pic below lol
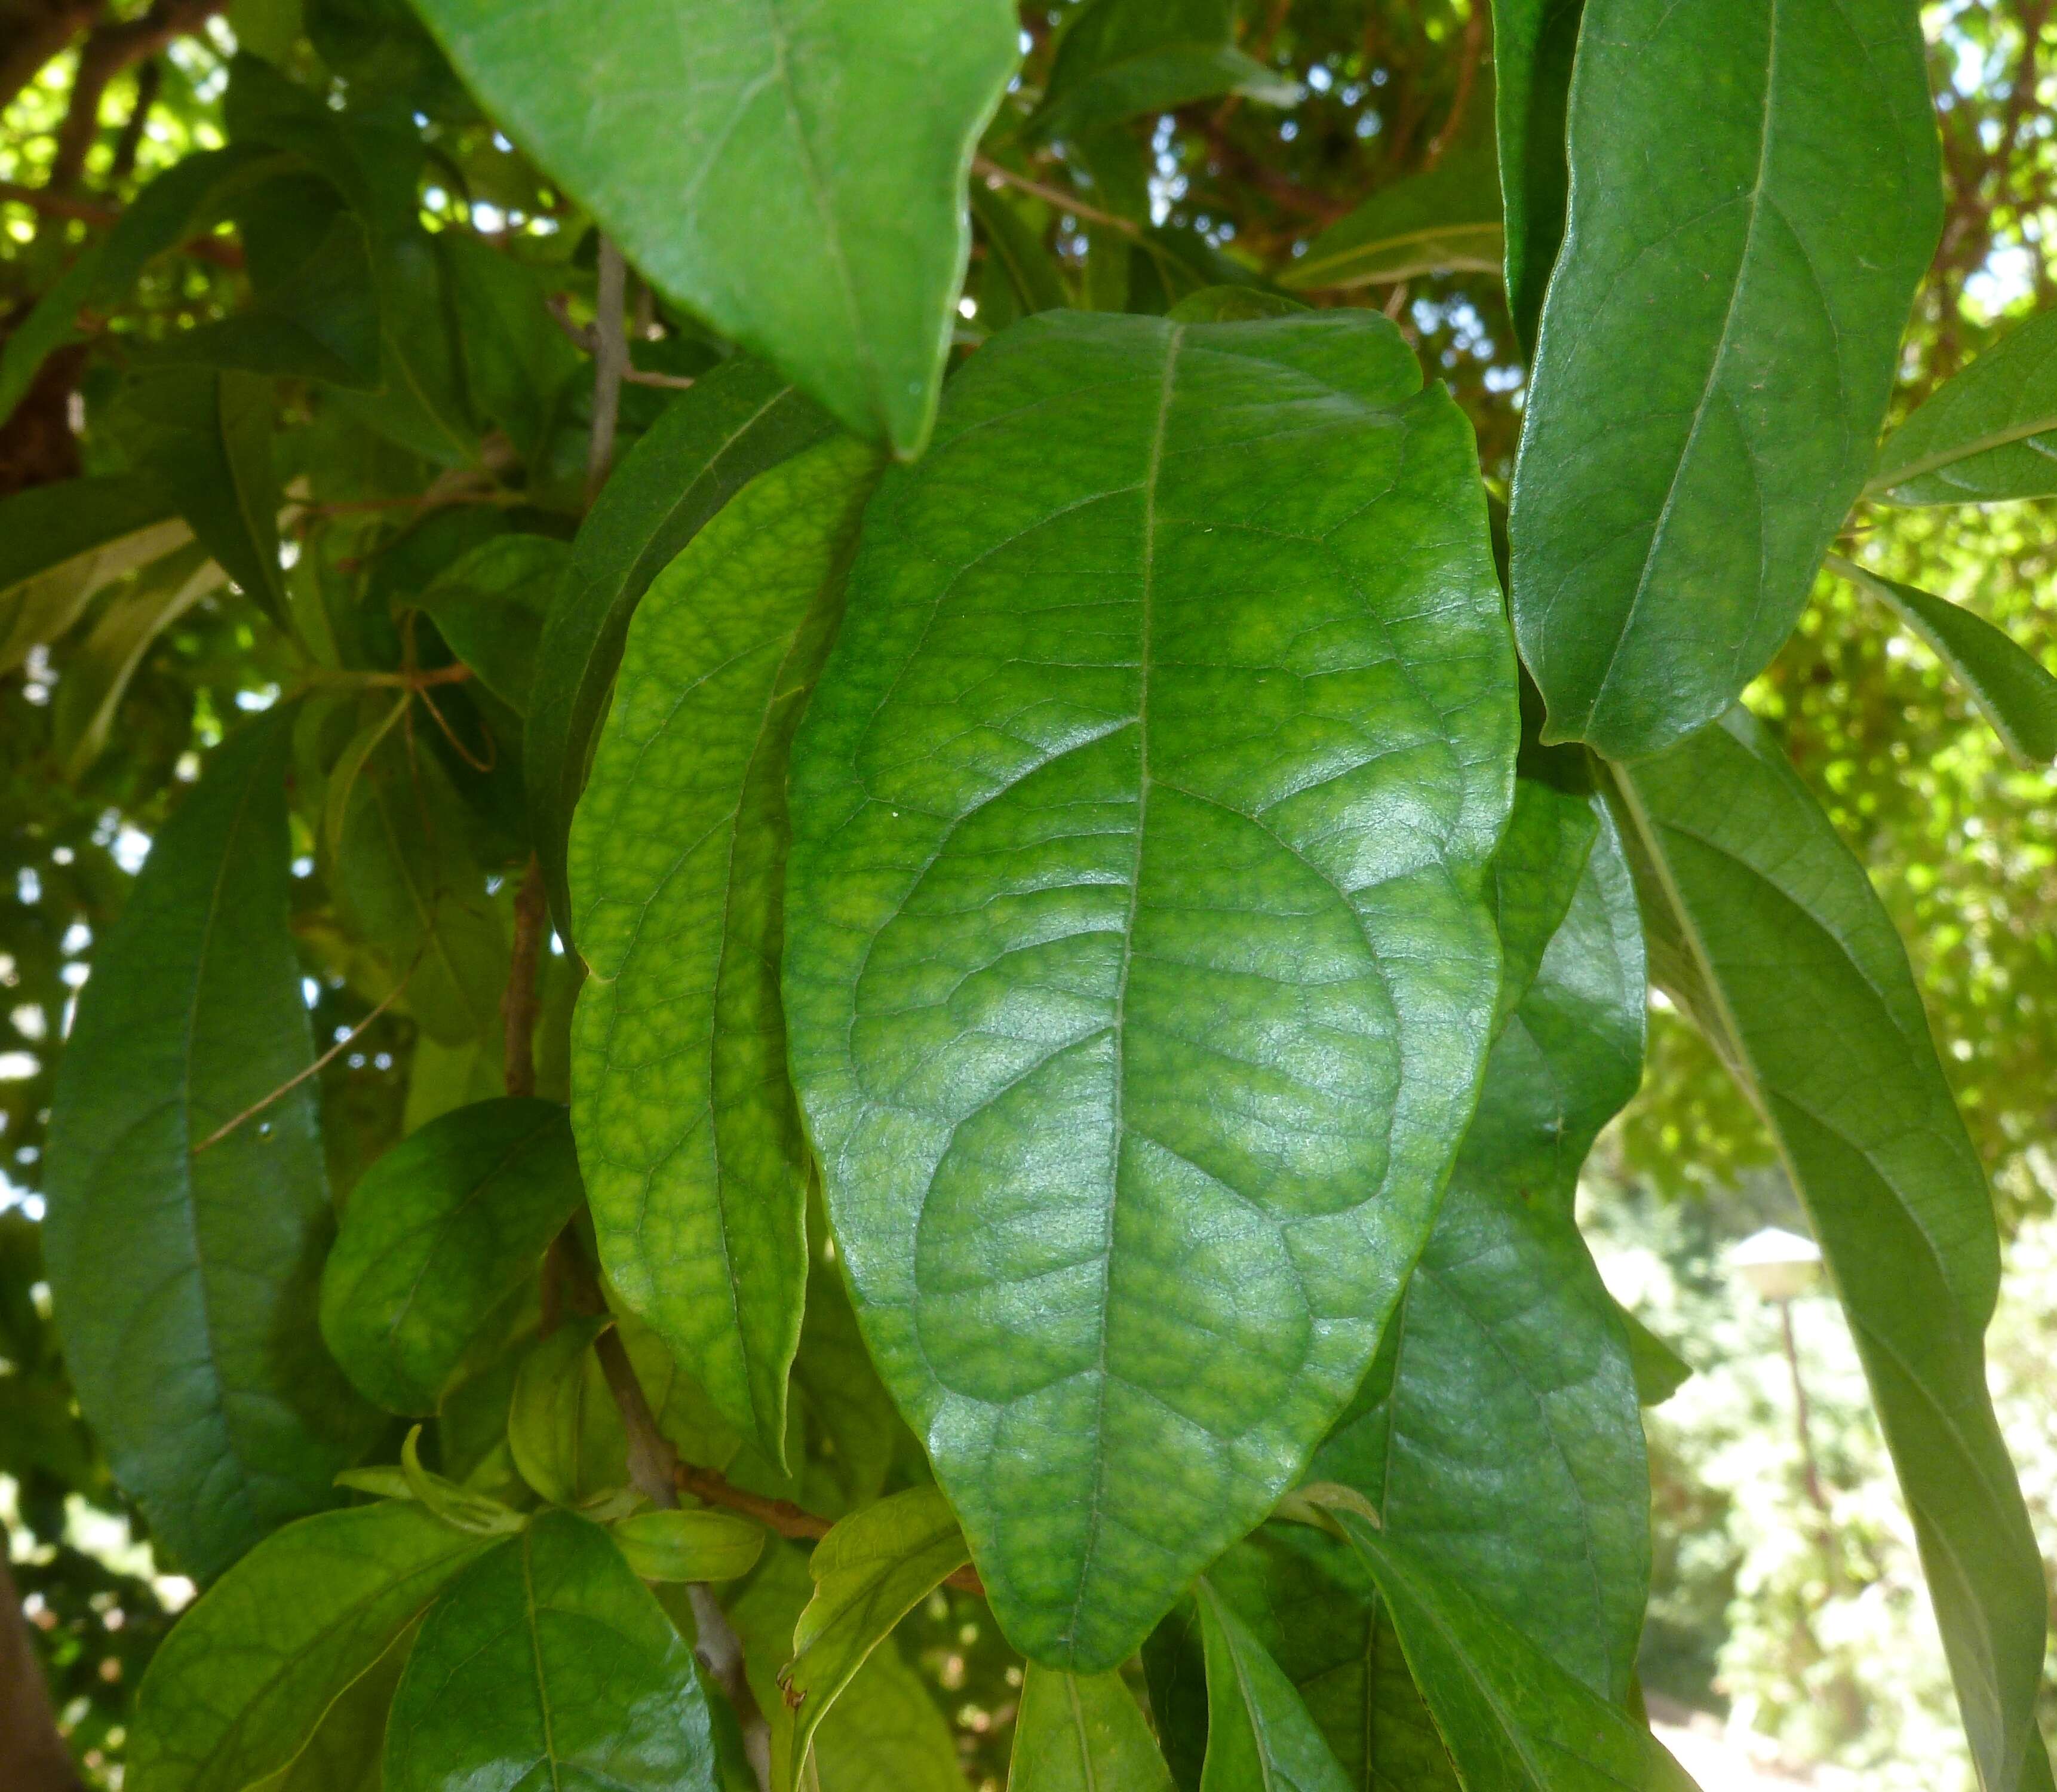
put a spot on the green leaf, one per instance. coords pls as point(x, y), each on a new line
point(184, 1277)
point(240, 1685)
point(830, 143)
point(696, 1163)
point(205, 438)
point(1764, 927)
point(887, 1736)
point(1018, 252)
point(1259, 1731)
point(1119, 58)
point(1536, 873)
point(59, 543)
point(1083, 1733)
point(1721, 332)
point(2011, 686)
point(1511, 1718)
point(730, 427)
point(1660, 1371)
point(689, 1545)
point(438, 1234)
point(1134, 1094)
point(1446, 220)
point(346, 1752)
point(563, 1428)
point(547, 1663)
point(1989, 434)
point(489, 606)
point(518, 361)
point(869, 1573)
point(478, 1514)
point(1532, 46)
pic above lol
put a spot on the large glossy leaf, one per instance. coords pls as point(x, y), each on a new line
point(438, 1233)
point(1139, 960)
point(1512, 1717)
point(184, 1278)
point(241, 1682)
point(1533, 41)
point(1989, 434)
point(548, 1663)
point(829, 142)
point(1446, 220)
point(1259, 1731)
point(60, 544)
point(2009, 685)
point(869, 1573)
point(687, 1127)
point(1719, 339)
point(1122, 58)
point(1766, 928)
point(1082, 1733)
point(734, 423)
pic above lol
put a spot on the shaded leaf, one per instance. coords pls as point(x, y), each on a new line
point(518, 360)
point(489, 605)
point(1720, 337)
point(61, 543)
point(696, 1163)
point(438, 1234)
point(1988, 434)
point(830, 143)
point(478, 1514)
point(1119, 58)
point(1536, 873)
point(1028, 268)
point(184, 1280)
point(1172, 1081)
point(1446, 220)
point(1533, 41)
point(689, 1545)
point(887, 1734)
point(1764, 927)
point(346, 1750)
point(1087, 1734)
point(1259, 1731)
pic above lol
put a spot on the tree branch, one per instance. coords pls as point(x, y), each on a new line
point(519, 1006)
point(31, 42)
point(610, 360)
point(109, 49)
point(32, 1755)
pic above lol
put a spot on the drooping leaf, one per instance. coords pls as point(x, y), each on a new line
point(1764, 928)
point(733, 424)
point(2009, 685)
point(1168, 1066)
point(1016, 255)
point(680, 1545)
point(61, 543)
point(478, 1514)
point(438, 1234)
point(869, 1573)
point(830, 143)
point(1720, 337)
point(1446, 220)
point(1119, 58)
point(489, 606)
point(687, 1127)
point(184, 1277)
point(1259, 1731)
point(1989, 434)
point(1532, 46)
point(241, 1682)
point(1512, 1718)
point(1082, 1734)
point(548, 1663)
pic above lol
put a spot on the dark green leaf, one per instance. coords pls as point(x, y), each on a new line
point(2009, 685)
point(345, 1752)
point(241, 1682)
point(1535, 872)
point(438, 1234)
point(1511, 1718)
point(690, 1545)
point(1720, 337)
point(1169, 1067)
point(1660, 1371)
point(489, 606)
point(695, 1163)
point(1011, 246)
point(1764, 927)
point(1532, 46)
point(547, 1663)
point(1990, 433)
point(733, 425)
point(59, 543)
point(830, 145)
point(519, 361)
point(1259, 1731)
point(1444, 221)
point(1119, 58)
point(1083, 1733)
point(184, 1277)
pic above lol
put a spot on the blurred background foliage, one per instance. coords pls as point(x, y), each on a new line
point(1814, 1639)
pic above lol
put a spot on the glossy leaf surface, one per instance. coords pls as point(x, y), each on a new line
point(1259, 1731)
point(243, 1679)
point(1139, 957)
point(734, 423)
point(2010, 685)
point(1990, 433)
point(1717, 348)
point(438, 1234)
point(1764, 928)
point(681, 1545)
point(688, 1131)
point(184, 1278)
point(1533, 44)
point(1513, 1719)
point(1084, 1732)
point(1119, 58)
point(829, 141)
point(548, 1663)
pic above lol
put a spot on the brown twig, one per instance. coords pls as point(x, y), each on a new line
point(150, 77)
point(1467, 75)
point(109, 49)
point(519, 1006)
point(610, 362)
point(1054, 195)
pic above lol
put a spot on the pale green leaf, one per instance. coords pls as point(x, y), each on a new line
point(1082, 1734)
point(829, 142)
point(478, 1514)
point(1721, 335)
point(563, 1427)
point(1134, 1090)
point(1446, 220)
point(1258, 1731)
point(679, 1545)
point(1989, 434)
